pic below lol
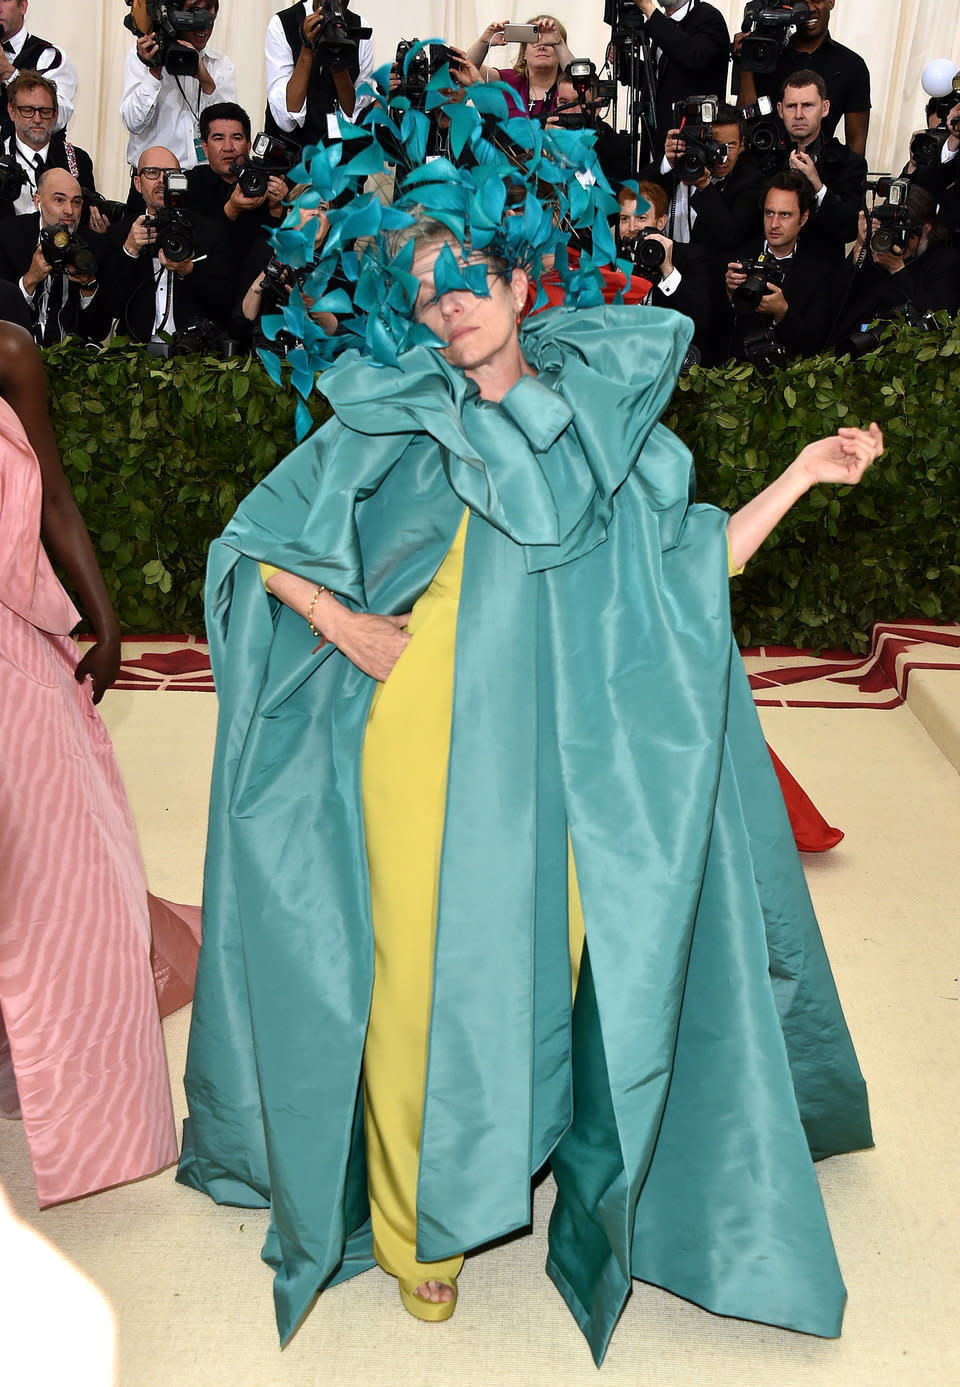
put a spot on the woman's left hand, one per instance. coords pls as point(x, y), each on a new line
point(842, 459)
point(102, 664)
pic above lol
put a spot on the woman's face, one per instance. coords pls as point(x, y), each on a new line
point(544, 53)
point(480, 331)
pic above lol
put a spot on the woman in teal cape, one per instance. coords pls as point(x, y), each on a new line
point(598, 700)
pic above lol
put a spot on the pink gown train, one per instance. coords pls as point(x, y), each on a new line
point(81, 1047)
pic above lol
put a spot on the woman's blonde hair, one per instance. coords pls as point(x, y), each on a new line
point(521, 63)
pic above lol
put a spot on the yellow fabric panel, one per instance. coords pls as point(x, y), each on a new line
point(405, 754)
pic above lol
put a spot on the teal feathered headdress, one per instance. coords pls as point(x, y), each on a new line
point(511, 189)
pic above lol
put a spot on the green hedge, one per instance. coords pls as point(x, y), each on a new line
point(159, 452)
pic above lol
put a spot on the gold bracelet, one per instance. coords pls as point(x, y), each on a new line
point(313, 629)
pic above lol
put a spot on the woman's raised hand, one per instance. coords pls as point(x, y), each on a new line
point(844, 458)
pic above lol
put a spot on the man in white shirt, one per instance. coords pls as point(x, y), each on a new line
point(161, 109)
point(20, 50)
point(308, 84)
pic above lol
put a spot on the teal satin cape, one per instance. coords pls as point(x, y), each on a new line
point(597, 693)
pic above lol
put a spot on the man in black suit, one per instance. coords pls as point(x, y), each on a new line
point(691, 50)
point(36, 145)
point(682, 281)
point(793, 316)
point(214, 188)
point(718, 209)
point(845, 73)
point(152, 294)
point(837, 176)
point(920, 271)
point(63, 300)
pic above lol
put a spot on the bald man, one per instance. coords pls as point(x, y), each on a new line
point(152, 295)
point(63, 298)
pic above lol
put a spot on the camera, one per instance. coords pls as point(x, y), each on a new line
point(269, 155)
point(648, 255)
point(763, 135)
point(768, 28)
point(169, 25)
point(335, 45)
point(926, 145)
point(171, 223)
point(425, 63)
point(113, 211)
point(592, 95)
point(762, 274)
point(63, 249)
point(279, 278)
point(896, 224)
point(870, 339)
point(695, 118)
point(12, 178)
point(941, 106)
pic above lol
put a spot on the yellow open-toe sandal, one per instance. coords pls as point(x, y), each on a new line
point(431, 1311)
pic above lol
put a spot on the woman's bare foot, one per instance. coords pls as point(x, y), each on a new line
point(436, 1291)
point(431, 1300)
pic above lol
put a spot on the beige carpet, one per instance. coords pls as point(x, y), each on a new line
point(193, 1300)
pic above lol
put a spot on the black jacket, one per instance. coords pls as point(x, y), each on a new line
point(809, 289)
point(696, 53)
point(208, 194)
point(728, 212)
point(931, 281)
point(692, 298)
point(57, 158)
point(204, 295)
point(833, 224)
point(19, 237)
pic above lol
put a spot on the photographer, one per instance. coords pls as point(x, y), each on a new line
point(36, 145)
point(680, 276)
point(21, 51)
point(317, 53)
point(717, 207)
point(55, 269)
point(690, 49)
point(933, 163)
point(837, 176)
point(614, 151)
point(215, 188)
point(153, 292)
point(163, 108)
point(536, 73)
point(783, 307)
point(270, 285)
point(912, 266)
point(845, 75)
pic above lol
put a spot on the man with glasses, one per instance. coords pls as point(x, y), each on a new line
point(62, 299)
point(20, 51)
point(36, 144)
point(163, 110)
point(152, 295)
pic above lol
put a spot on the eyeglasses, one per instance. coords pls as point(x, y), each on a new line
point(44, 112)
point(151, 174)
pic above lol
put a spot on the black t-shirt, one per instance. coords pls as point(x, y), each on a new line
point(845, 73)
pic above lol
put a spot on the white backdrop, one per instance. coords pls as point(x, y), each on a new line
point(896, 38)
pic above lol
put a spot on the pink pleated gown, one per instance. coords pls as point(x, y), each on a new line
point(77, 996)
